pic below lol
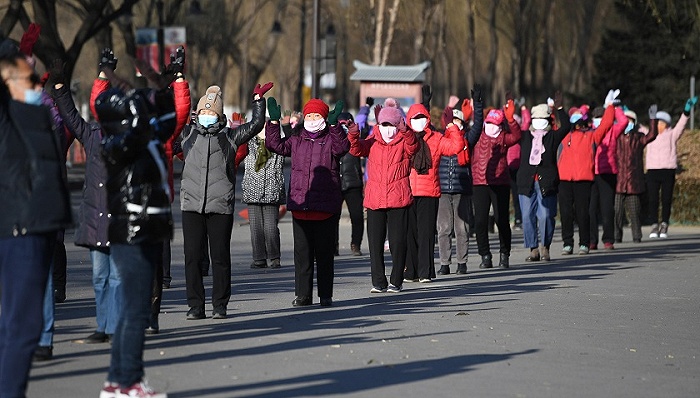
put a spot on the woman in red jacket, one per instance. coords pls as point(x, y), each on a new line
point(492, 181)
point(388, 150)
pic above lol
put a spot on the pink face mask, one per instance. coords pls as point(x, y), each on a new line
point(388, 133)
point(492, 130)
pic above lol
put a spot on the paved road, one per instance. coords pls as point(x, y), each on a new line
point(623, 323)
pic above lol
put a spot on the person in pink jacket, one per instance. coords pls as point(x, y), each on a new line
point(388, 150)
point(425, 185)
point(576, 175)
point(661, 164)
point(605, 179)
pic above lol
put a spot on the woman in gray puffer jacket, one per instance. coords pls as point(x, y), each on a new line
point(207, 195)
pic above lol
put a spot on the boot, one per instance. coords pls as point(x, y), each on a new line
point(461, 269)
point(355, 249)
point(444, 270)
point(503, 262)
point(544, 253)
point(486, 261)
point(534, 255)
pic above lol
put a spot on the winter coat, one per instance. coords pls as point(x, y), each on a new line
point(578, 149)
point(630, 162)
point(546, 171)
point(265, 186)
point(439, 145)
point(93, 218)
point(209, 175)
point(314, 182)
point(489, 163)
point(388, 168)
point(350, 172)
point(33, 188)
point(606, 151)
point(661, 153)
point(456, 178)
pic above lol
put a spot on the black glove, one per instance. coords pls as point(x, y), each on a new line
point(427, 95)
point(558, 100)
point(476, 93)
point(57, 73)
point(107, 59)
point(177, 62)
point(369, 101)
point(652, 111)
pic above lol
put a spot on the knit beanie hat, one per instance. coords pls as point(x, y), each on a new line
point(315, 105)
point(457, 114)
point(389, 115)
point(664, 116)
point(212, 100)
point(540, 111)
point(597, 112)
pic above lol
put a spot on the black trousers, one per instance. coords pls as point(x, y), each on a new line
point(197, 229)
point(422, 220)
point(514, 196)
point(353, 200)
point(396, 220)
point(663, 179)
point(158, 276)
point(603, 203)
point(314, 241)
point(484, 196)
point(167, 259)
point(60, 261)
point(574, 203)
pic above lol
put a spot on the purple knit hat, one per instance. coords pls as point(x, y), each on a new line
point(389, 115)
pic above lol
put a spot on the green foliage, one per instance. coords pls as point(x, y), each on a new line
point(686, 196)
point(651, 55)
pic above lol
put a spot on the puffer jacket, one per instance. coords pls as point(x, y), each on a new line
point(93, 218)
point(428, 185)
point(33, 188)
point(314, 183)
point(209, 175)
point(546, 171)
point(576, 158)
point(350, 172)
point(265, 186)
point(388, 167)
point(630, 162)
point(489, 163)
point(606, 151)
point(662, 152)
point(456, 178)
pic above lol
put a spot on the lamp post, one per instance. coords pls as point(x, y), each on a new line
point(161, 37)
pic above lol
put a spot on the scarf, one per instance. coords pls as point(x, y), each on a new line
point(537, 148)
point(262, 156)
point(422, 161)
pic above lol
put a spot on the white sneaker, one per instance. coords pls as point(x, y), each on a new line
point(663, 230)
point(109, 390)
point(394, 289)
point(654, 231)
point(425, 280)
point(377, 290)
point(140, 390)
point(386, 245)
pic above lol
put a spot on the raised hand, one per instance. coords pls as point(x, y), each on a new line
point(476, 93)
point(467, 109)
point(333, 115)
point(177, 62)
point(509, 110)
point(690, 104)
point(57, 71)
point(611, 98)
point(261, 90)
point(453, 101)
point(29, 38)
point(427, 95)
point(369, 101)
point(107, 59)
point(558, 100)
point(273, 109)
point(652, 111)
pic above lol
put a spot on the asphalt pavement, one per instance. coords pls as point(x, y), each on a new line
point(621, 323)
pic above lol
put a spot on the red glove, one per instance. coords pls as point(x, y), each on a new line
point(262, 90)
point(377, 109)
point(29, 38)
point(353, 128)
point(510, 110)
point(467, 109)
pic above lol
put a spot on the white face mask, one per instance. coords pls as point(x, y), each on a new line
point(314, 126)
point(540, 124)
point(596, 121)
point(388, 133)
point(630, 126)
point(492, 130)
point(458, 123)
point(418, 125)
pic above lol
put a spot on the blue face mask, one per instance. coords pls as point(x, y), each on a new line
point(630, 126)
point(32, 97)
point(596, 121)
point(207, 120)
point(575, 118)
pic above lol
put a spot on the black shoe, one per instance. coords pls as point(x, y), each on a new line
point(486, 261)
point(151, 330)
point(166, 285)
point(59, 296)
point(461, 269)
point(275, 263)
point(326, 301)
point(503, 262)
point(205, 271)
point(195, 313)
point(255, 265)
point(95, 338)
point(43, 353)
point(301, 301)
point(444, 270)
point(219, 313)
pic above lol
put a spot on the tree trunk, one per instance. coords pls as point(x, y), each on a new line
point(493, 45)
point(390, 31)
point(377, 53)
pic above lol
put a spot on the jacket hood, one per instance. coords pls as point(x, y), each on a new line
point(417, 109)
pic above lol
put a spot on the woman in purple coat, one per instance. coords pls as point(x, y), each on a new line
point(314, 192)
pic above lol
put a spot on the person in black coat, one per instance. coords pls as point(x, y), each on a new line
point(352, 186)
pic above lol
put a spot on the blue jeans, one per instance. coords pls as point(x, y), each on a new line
point(538, 217)
point(136, 264)
point(107, 285)
point(46, 339)
point(24, 268)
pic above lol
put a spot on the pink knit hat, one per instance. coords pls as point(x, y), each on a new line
point(389, 115)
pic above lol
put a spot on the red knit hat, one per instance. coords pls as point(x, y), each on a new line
point(315, 105)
